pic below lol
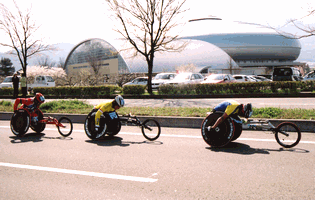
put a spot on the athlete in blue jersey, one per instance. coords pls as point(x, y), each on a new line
point(231, 107)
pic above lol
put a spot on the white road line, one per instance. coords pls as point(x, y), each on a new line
point(83, 173)
point(186, 136)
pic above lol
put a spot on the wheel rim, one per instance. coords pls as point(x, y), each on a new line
point(291, 139)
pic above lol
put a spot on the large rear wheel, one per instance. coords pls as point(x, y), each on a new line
point(38, 127)
point(89, 126)
point(238, 127)
point(220, 136)
point(20, 123)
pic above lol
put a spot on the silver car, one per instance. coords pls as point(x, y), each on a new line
point(186, 78)
point(162, 78)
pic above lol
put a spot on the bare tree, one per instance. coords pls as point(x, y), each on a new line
point(46, 61)
point(147, 25)
point(307, 30)
point(232, 69)
point(20, 28)
point(61, 63)
point(186, 68)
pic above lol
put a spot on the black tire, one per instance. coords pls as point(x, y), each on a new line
point(113, 125)
point(20, 123)
point(293, 136)
point(67, 128)
point(238, 128)
point(39, 127)
point(151, 129)
point(220, 137)
point(114, 129)
point(89, 126)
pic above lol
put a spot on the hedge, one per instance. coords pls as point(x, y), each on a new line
point(78, 91)
point(134, 89)
point(183, 89)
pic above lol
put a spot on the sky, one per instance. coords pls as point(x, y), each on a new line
point(70, 21)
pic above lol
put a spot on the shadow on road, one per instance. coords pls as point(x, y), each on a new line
point(118, 141)
point(239, 148)
point(245, 149)
point(35, 137)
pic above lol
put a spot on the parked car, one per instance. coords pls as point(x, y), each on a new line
point(261, 78)
point(286, 74)
point(244, 78)
point(7, 82)
point(309, 77)
point(186, 78)
point(138, 81)
point(42, 81)
point(219, 78)
point(162, 78)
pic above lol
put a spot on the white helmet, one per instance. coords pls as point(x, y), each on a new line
point(120, 101)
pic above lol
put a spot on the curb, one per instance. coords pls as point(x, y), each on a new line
point(177, 122)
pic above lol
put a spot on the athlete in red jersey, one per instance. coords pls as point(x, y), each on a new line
point(30, 103)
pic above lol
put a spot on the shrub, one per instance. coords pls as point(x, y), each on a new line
point(6, 91)
point(80, 91)
point(134, 89)
point(167, 89)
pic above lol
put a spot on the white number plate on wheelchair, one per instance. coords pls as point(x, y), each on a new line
point(113, 115)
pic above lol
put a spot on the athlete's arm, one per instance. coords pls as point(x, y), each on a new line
point(220, 120)
point(16, 103)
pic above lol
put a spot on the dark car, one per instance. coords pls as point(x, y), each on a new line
point(286, 74)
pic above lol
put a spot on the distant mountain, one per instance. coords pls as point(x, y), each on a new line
point(62, 51)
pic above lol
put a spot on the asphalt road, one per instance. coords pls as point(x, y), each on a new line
point(179, 165)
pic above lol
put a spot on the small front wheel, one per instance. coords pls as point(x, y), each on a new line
point(65, 126)
point(151, 129)
point(287, 134)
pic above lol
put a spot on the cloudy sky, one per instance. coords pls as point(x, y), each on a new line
point(70, 21)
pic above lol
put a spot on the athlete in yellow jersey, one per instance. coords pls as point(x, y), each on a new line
point(232, 107)
point(106, 107)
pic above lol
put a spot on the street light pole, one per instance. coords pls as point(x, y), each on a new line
point(206, 18)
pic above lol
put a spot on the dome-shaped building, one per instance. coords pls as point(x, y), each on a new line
point(256, 49)
point(95, 55)
point(197, 53)
point(247, 53)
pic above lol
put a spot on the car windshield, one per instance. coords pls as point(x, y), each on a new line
point(182, 77)
point(283, 72)
point(215, 77)
point(162, 76)
point(50, 79)
point(7, 80)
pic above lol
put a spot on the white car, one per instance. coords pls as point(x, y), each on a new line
point(138, 81)
point(7, 82)
point(309, 77)
point(162, 78)
point(244, 78)
point(186, 78)
point(261, 78)
point(219, 78)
